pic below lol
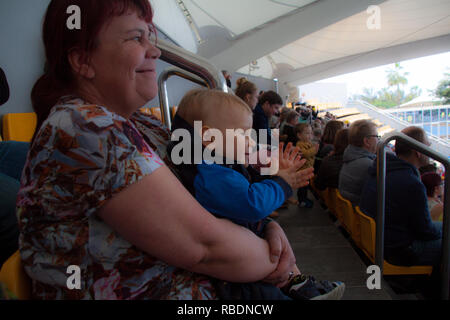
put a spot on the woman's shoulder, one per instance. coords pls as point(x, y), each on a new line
point(72, 114)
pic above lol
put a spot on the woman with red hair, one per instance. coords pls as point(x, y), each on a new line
point(435, 191)
point(96, 192)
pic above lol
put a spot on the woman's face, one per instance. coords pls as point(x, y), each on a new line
point(252, 99)
point(124, 64)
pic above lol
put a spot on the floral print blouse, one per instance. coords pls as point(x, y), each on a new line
point(81, 157)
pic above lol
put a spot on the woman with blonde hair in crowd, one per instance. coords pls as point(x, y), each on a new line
point(247, 91)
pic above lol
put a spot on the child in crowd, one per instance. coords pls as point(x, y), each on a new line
point(308, 150)
point(238, 192)
point(317, 136)
point(289, 127)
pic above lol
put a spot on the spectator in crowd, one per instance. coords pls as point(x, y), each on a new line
point(358, 157)
point(308, 151)
point(283, 115)
point(435, 193)
point(247, 91)
point(317, 135)
point(327, 141)
point(427, 168)
point(275, 121)
point(269, 105)
point(227, 77)
point(289, 127)
point(254, 196)
point(305, 114)
point(329, 116)
point(317, 124)
point(260, 94)
point(97, 190)
point(328, 175)
point(411, 238)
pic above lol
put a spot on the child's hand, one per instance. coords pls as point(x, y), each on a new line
point(289, 157)
point(297, 179)
point(303, 177)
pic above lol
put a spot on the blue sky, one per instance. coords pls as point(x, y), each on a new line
point(425, 72)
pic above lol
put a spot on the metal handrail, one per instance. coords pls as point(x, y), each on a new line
point(164, 95)
point(191, 67)
point(381, 187)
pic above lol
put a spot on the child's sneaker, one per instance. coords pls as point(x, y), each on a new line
point(306, 204)
point(307, 288)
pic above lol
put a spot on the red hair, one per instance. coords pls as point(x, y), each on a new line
point(58, 79)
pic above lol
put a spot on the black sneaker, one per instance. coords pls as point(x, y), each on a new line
point(307, 288)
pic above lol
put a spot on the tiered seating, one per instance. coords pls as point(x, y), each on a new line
point(368, 236)
point(156, 111)
point(349, 219)
point(19, 126)
point(355, 117)
point(383, 130)
point(345, 112)
point(362, 230)
point(350, 115)
point(378, 123)
point(174, 111)
point(15, 278)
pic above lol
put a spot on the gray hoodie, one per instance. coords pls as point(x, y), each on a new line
point(354, 172)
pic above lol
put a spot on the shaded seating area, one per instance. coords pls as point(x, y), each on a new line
point(362, 230)
point(350, 115)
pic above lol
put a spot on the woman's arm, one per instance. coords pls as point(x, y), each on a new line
point(160, 217)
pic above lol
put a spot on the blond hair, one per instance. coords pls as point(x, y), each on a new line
point(206, 105)
point(359, 130)
point(244, 87)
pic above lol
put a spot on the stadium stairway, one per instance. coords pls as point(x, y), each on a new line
point(322, 250)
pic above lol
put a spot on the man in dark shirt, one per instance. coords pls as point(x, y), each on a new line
point(411, 238)
point(269, 105)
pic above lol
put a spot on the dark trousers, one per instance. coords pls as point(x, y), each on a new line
point(302, 194)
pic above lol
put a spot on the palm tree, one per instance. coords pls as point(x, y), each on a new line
point(396, 77)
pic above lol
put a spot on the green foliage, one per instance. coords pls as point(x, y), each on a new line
point(443, 89)
point(393, 95)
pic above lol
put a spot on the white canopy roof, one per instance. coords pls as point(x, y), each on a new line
point(300, 41)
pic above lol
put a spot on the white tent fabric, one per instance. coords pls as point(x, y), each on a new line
point(300, 41)
point(240, 16)
point(402, 21)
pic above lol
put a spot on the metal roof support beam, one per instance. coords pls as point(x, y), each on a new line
point(367, 60)
point(281, 32)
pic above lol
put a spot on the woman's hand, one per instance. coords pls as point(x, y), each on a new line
point(281, 252)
